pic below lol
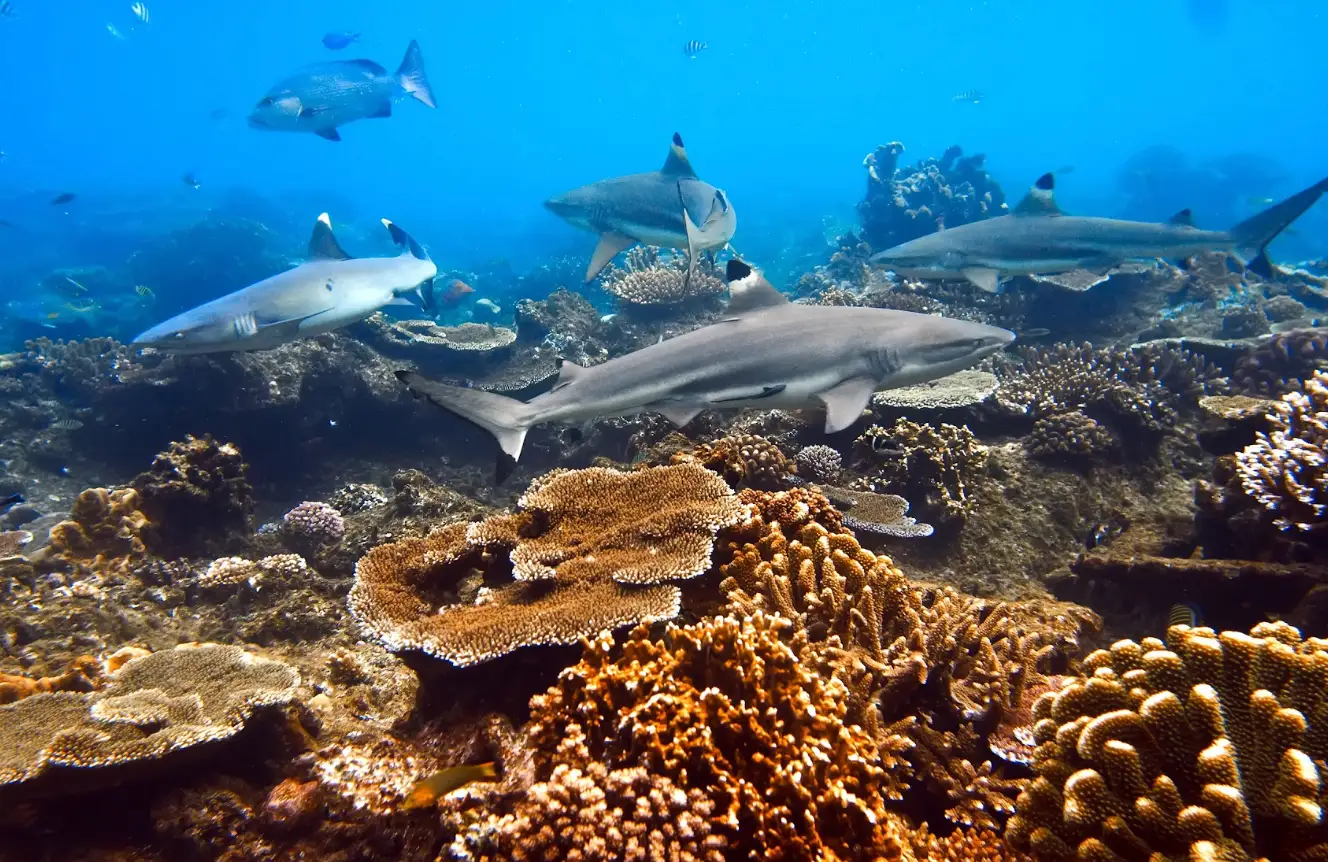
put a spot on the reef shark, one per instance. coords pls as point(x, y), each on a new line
point(330, 290)
point(669, 208)
point(1038, 239)
point(766, 353)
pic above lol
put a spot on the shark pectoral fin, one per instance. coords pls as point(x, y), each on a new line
point(987, 279)
point(382, 111)
point(329, 134)
point(568, 372)
point(845, 402)
point(323, 243)
point(678, 414)
point(610, 245)
point(1040, 200)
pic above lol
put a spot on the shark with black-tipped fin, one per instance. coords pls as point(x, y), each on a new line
point(328, 291)
point(1038, 239)
point(767, 353)
point(669, 208)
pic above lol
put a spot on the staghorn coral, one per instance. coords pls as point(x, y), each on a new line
point(1285, 468)
point(1283, 362)
point(592, 549)
point(742, 459)
point(932, 466)
point(819, 463)
point(1072, 437)
point(311, 526)
point(1206, 747)
point(647, 278)
point(750, 745)
point(196, 497)
point(278, 572)
point(155, 705)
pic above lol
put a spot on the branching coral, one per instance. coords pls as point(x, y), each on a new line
point(1207, 747)
point(819, 463)
point(1072, 437)
point(932, 466)
point(155, 705)
point(742, 747)
point(592, 549)
point(651, 279)
point(311, 526)
point(196, 496)
point(1286, 469)
point(743, 459)
point(1283, 362)
point(945, 192)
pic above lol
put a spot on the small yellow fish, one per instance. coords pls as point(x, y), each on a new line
point(427, 791)
point(144, 291)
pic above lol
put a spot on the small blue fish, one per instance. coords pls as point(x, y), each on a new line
point(694, 47)
point(321, 97)
point(338, 39)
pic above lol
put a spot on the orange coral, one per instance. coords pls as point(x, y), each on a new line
point(105, 531)
point(83, 674)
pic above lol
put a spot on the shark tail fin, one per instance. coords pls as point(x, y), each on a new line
point(1252, 236)
point(507, 419)
point(411, 77)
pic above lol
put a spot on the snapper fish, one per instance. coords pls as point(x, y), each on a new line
point(322, 97)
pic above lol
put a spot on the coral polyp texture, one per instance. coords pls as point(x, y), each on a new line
point(1208, 746)
point(649, 278)
point(591, 549)
point(932, 466)
point(1286, 468)
point(155, 706)
point(743, 459)
point(312, 525)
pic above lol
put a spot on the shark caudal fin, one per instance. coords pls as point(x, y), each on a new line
point(1252, 236)
point(505, 418)
point(411, 77)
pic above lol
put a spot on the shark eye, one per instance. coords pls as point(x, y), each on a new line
point(329, 285)
point(267, 100)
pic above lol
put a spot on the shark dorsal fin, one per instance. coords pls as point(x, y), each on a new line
point(568, 372)
point(323, 244)
point(748, 289)
point(676, 163)
point(1184, 218)
point(1041, 198)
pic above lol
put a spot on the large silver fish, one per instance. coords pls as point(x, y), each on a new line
point(1038, 239)
point(329, 291)
point(768, 354)
point(669, 207)
point(324, 96)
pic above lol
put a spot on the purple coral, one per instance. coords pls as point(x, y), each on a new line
point(313, 525)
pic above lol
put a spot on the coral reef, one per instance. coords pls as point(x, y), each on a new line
point(946, 192)
point(649, 278)
point(932, 466)
point(1285, 468)
point(879, 514)
point(312, 526)
point(12, 542)
point(743, 459)
point(1072, 437)
point(1205, 747)
point(196, 498)
point(819, 463)
point(84, 673)
point(592, 549)
point(961, 389)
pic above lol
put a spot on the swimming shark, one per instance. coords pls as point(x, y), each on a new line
point(1038, 239)
point(766, 353)
point(330, 290)
point(669, 208)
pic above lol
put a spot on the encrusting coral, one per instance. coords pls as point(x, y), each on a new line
point(1286, 469)
point(154, 706)
point(591, 549)
point(1209, 746)
point(649, 279)
point(743, 459)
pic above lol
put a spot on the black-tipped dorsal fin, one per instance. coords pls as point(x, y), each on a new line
point(323, 244)
point(677, 164)
point(1041, 198)
point(748, 289)
point(1183, 218)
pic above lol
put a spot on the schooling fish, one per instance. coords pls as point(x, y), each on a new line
point(324, 96)
point(973, 97)
point(63, 198)
point(1038, 239)
point(427, 791)
point(694, 47)
point(338, 39)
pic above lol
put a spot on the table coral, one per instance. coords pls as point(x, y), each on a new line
point(718, 729)
point(743, 459)
point(647, 278)
point(879, 514)
point(1285, 468)
point(1209, 746)
point(961, 389)
point(153, 707)
point(591, 549)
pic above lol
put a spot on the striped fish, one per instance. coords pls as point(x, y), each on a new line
point(694, 47)
point(1183, 614)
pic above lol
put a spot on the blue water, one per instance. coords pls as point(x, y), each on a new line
point(535, 98)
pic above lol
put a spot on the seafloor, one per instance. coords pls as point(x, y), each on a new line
point(1062, 606)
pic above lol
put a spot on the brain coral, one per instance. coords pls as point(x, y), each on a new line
point(1209, 746)
point(591, 549)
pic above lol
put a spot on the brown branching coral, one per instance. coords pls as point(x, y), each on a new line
point(648, 278)
point(931, 466)
point(1286, 469)
point(1071, 437)
point(155, 706)
point(104, 532)
point(196, 496)
point(1206, 747)
point(592, 549)
point(747, 749)
point(743, 459)
point(1283, 362)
